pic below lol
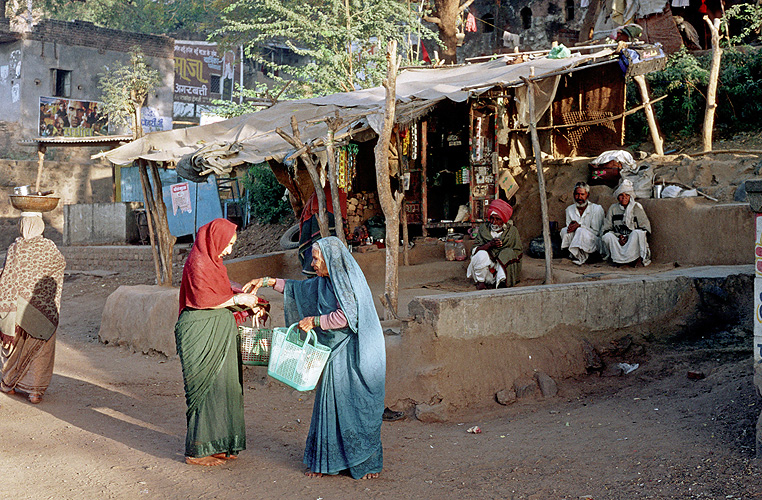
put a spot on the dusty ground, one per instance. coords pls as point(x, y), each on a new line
point(112, 426)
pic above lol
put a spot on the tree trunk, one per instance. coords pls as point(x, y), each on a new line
point(390, 204)
point(541, 182)
point(711, 91)
point(448, 12)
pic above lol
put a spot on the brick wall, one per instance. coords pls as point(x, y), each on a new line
point(115, 258)
point(87, 34)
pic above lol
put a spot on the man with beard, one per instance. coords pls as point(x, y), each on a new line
point(582, 234)
point(496, 257)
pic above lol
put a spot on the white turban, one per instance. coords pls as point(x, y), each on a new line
point(625, 187)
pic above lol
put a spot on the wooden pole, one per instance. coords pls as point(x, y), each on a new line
point(540, 182)
point(711, 91)
point(296, 142)
point(333, 123)
point(658, 143)
point(40, 160)
point(424, 189)
point(147, 203)
point(166, 240)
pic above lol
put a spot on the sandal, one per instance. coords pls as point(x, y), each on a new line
point(35, 399)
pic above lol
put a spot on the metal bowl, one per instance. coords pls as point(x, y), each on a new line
point(34, 203)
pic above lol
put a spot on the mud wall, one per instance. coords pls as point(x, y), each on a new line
point(73, 182)
point(460, 350)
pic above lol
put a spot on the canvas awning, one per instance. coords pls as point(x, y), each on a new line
point(417, 90)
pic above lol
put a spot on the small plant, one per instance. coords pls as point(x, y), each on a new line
point(266, 195)
point(744, 18)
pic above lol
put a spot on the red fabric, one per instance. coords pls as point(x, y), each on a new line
point(470, 23)
point(311, 208)
point(205, 282)
point(500, 208)
point(702, 8)
point(425, 54)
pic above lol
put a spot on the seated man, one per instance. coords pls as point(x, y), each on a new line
point(582, 234)
point(496, 258)
point(626, 228)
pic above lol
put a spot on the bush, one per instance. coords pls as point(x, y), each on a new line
point(266, 195)
point(685, 79)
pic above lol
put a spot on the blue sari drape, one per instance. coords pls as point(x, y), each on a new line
point(345, 431)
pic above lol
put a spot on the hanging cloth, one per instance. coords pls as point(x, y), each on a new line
point(471, 23)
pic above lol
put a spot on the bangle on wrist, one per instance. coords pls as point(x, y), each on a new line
point(235, 300)
point(316, 321)
point(266, 281)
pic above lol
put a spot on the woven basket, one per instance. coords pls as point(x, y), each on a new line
point(254, 345)
point(294, 361)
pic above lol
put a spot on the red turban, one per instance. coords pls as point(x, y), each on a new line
point(500, 208)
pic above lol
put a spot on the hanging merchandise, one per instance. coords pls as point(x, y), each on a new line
point(346, 160)
point(470, 23)
point(405, 137)
point(414, 142)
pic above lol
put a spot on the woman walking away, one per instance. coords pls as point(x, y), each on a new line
point(345, 432)
point(30, 301)
point(206, 343)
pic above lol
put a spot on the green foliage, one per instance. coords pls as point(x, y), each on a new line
point(744, 19)
point(341, 43)
point(265, 195)
point(230, 109)
point(125, 88)
point(684, 80)
point(145, 16)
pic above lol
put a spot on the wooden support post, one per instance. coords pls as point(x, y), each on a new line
point(655, 137)
point(540, 183)
point(40, 160)
point(165, 238)
point(711, 91)
point(424, 189)
point(390, 202)
point(405, 236)
point(147, 203)
point(304, 154)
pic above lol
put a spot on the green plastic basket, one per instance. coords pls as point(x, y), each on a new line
point(254, 345)
point(294, 361)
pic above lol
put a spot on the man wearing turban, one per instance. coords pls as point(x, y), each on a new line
point(626, 228)
point(496, 257)
point(582, 234)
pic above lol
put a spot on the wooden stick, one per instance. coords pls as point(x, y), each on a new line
point(424, 189)
point(147, 203)
point(657, 140)
point(40, 160)
point(729, 151)
point(540, 182)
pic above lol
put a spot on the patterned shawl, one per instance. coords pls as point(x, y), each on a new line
point(32, 276)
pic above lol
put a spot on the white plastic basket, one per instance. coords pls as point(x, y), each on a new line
point(294, 361)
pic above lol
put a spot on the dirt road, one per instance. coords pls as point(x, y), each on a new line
point(112, 426)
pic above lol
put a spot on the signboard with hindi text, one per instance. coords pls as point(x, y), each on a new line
point(202, 73)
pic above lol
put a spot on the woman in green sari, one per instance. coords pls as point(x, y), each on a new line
point(205, 334)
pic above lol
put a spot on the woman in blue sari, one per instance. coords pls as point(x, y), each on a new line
point(345, 431)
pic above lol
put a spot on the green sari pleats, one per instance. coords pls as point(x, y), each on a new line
point(206, 344)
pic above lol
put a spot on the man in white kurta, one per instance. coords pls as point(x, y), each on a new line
point(626, 229)
point(582, 234)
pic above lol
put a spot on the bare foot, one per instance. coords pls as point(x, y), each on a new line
point(370, 475)
point(309, 473)
point(35, 399)
point(207, 461)
point(224, 456)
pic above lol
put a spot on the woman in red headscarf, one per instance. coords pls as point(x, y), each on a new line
point(205, 334)
point(496, 257)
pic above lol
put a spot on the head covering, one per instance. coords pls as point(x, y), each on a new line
point(205, 282)
point(500, 208)
point(625, 187)
point(31, 224)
